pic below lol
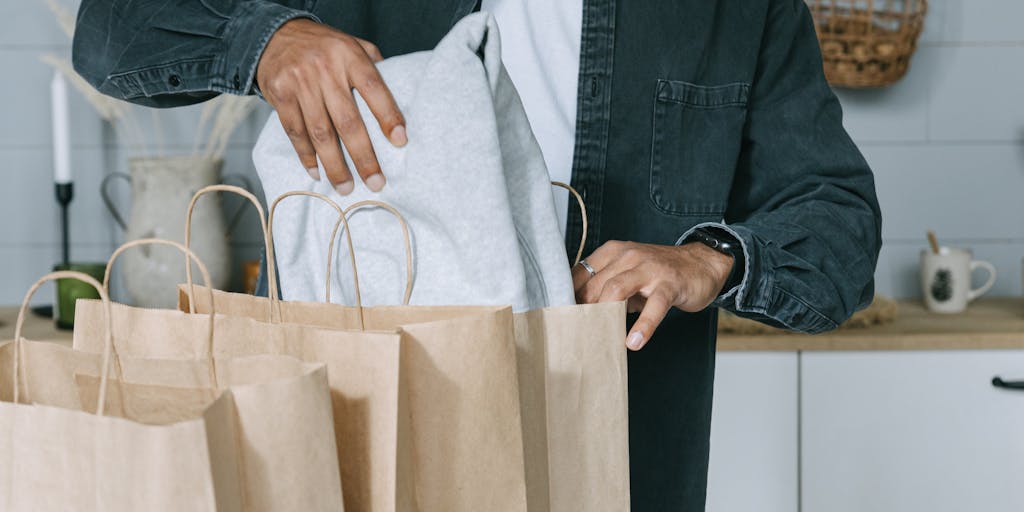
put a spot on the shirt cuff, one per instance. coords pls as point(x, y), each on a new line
point(726, 298)
point(248, 33)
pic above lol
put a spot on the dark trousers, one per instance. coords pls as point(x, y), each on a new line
point(670, 390)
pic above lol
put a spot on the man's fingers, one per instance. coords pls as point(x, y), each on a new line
point(635, 304)
point(606, 254)
point(325, 141)
point(623, 286)
point(580, 276)
point(599, 261)
point(592, 290)
point(295, 127)
point(349, 124)
point(371, 50)
point(306, 64)
point(653, 313)
point(367, 80)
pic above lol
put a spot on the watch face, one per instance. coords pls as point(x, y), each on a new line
point(712, 241)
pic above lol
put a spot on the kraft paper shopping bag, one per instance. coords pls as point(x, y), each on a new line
point(459, 370)
point(371, 418)
point(184, 435)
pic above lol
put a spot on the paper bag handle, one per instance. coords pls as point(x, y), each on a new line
point(188, 233)
point(583, 214)
point(342, 220)
point(108, 344)
point(407, 238)
point(202, 271)
point(268, 250)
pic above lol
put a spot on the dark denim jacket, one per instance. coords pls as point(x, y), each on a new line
point(690, 112)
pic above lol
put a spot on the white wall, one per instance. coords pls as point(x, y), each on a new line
point(946, 144)
point(29, 222)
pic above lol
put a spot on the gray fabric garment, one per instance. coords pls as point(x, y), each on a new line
point(471, 182)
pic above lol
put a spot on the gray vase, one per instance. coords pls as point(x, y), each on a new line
point(161, 191)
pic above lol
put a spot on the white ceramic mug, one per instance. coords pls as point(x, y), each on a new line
point(946, 279)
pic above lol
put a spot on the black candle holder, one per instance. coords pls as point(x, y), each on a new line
point(65, 193)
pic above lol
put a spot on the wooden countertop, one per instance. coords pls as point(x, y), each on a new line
point(996, 323)
point(36, 328)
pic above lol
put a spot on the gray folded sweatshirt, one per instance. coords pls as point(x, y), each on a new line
point(471, 183)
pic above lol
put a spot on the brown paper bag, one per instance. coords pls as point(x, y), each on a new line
point(250, 440)
point(459, 368)
point(575, 408)
point(572, 387)
point(370, 425)
point(459, 365)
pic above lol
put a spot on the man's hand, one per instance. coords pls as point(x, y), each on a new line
point(307, 73)
point(652, 279)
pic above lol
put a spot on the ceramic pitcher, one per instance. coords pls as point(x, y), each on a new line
point(161, 190)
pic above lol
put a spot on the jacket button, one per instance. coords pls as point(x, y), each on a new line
point(174, 80)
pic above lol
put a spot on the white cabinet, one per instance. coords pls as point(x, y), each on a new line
point(911, 431)
point(753, 464)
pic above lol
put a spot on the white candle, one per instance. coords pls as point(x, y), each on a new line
point(61, 138)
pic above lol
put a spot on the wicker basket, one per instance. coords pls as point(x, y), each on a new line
point(867, 43)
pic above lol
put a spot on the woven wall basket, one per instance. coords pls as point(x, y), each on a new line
point(867, 43)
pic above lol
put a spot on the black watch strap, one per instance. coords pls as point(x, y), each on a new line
point(723, 242)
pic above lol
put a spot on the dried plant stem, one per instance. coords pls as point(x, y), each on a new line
point(158, 131)
point(230, 112)
point(107, 107)
point(65, 18)
point(225, 112)
point(204, 118)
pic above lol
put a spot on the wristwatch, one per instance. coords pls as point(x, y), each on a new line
point(723, 242)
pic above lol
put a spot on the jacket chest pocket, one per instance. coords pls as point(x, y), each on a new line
point(698, 132)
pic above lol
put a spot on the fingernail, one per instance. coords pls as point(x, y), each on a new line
point(345, 188)
point(398, 137)
point(376, 182)
point(635, 340)
point(313, 173)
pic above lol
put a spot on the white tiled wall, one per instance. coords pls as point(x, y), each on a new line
point(946, 144)
point(29, 224)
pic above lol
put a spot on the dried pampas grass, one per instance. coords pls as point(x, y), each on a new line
point(65, 18)
point(226, 111)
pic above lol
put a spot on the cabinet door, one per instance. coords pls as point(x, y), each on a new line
point(753, 464)
point(912, 431)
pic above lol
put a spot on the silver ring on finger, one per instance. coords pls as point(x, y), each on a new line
point(586, 266)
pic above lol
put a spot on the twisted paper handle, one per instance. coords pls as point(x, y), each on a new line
point(407, 235)
point(108, 345)
point(342, 220)
point(583, 214)
point(202, 271)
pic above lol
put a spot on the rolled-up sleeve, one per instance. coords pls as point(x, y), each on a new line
point(166, 53)
point(803, 203)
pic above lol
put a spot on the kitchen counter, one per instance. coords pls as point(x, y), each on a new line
point(996, 323)
point(988, 324)
point(36, 328)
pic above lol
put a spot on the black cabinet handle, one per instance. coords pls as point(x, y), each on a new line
point(1012, 384)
